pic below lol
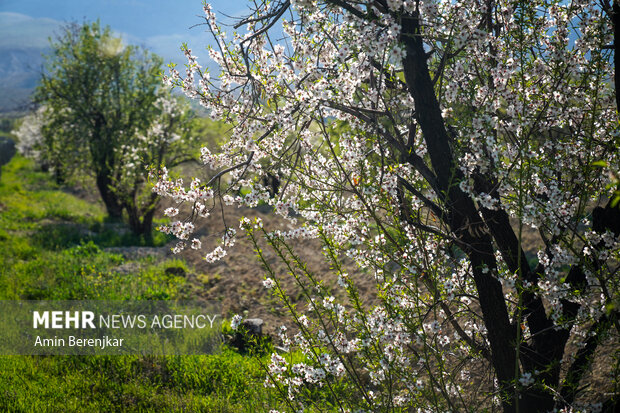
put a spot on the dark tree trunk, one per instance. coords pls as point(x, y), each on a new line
point(141, 225)
point(509, 357)
point(141, 219)
point(59, 173)
point(147, 226)
point(102, 155)
point(110, 199)
point(462, 213)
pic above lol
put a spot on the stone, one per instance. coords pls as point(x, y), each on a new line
point(178, 271)
point(254, 326)
point(249, 335)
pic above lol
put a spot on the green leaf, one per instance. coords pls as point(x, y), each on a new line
point(601, 164)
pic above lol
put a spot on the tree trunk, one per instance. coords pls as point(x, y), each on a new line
point(111, 201)
point(141, 224)
point(59, 173)
point(462, 213)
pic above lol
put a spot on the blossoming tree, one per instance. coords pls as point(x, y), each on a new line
point(424, 139)
point(104, 112)
point(29, 137)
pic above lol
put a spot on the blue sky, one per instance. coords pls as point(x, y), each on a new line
point(159, 25)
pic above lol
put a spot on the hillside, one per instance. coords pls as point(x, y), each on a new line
point(23, 40)
point(19, 73)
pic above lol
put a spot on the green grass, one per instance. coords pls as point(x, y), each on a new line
point(52, 247)
point(226, 382)
point(49, 247)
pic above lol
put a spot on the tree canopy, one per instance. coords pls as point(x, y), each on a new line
point(104, 112)
point(423, 140)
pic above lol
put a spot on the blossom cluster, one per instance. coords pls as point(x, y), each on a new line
point(327, 110)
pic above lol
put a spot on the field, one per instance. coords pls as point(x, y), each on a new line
point(55, 245)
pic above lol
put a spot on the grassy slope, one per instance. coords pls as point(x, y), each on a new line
point(51, 248)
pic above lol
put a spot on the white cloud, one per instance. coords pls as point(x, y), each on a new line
point(18, 31)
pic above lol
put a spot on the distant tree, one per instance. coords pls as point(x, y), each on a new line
point(29, 134)
point(106, 114)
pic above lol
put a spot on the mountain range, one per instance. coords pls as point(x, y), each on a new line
point(23, 41)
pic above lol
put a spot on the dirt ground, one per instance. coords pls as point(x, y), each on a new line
point(237, 280)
